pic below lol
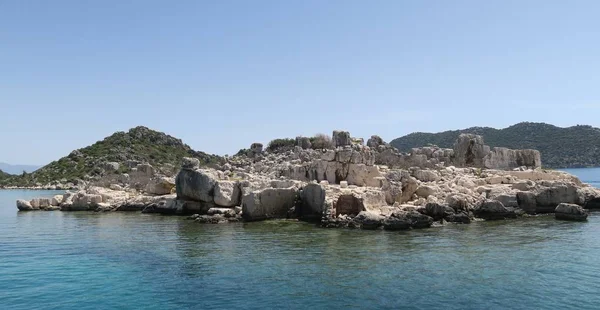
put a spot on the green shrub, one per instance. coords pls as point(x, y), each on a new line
point(321, 141)
point(281, 144)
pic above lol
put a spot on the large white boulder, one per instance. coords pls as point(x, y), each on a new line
point(227, 193)
point(268, 203)
point(196, 185)
point(56, 200)
point(24, 205)
point(160, 186)
point(40, 203)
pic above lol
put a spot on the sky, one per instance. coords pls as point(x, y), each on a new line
point(223, 74)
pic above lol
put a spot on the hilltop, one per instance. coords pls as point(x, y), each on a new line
point(116, 154)
point(576, 146)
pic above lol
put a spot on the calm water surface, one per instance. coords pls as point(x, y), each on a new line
point(56, 260)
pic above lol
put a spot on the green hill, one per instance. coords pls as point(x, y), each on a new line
point(576, 146)
point(138, 145)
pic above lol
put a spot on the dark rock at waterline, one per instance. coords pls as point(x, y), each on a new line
point(396, 223)
point(493, 210)
point(527, 202)
point(570, 212)
point(369, 220)
point(414, 218)
point(461, 217)
point(437, 211)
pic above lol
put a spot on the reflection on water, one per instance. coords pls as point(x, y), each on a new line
point(84, 260)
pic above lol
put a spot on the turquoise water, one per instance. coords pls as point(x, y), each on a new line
point(587, 175)
point(56, 260)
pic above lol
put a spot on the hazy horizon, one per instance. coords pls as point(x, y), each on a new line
point(221, 75)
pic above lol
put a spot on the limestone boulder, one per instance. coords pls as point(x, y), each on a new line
point(67, 199)
point(228, 193)
point(369, 220)
point(460, 217)
point(268, 203)
point(425, 175)
point(313, 201)
point(375, 141)
point(40, 203)
point(570, 212)
point(341, 138)
point(82, 201)
point(437, 211)
point(190, 163)
point(328, 155)
point(348, 204)
point(414, 218)
point(160, 186)
point(24, 205)
point(56, 200)
point(409, 188)
point(196, 185)
point(363, 175)
point(527, 202)
point(523, 185)
point(508, 200)
point(394, 223)
point(548, 198)
point(507, 159)
point(589, 197)
point(163, 206)
point(427, 190)
point(470, 151)
point(459, 202)
point(393, 192)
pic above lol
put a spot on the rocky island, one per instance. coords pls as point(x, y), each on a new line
point(341, 182)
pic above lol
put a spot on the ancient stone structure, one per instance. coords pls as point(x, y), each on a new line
point(351, 185)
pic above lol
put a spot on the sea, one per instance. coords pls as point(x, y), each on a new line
point(81, 260)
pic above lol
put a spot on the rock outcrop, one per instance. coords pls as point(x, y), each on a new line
point(346, 186)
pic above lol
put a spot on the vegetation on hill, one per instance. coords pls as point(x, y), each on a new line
point(3, 175)
point(577, 146)
point(127, 149)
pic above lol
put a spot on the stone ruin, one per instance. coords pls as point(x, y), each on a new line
point(350, 184)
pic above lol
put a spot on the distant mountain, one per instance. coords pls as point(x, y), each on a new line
point(126, 149)
point(576, 146)
point(17, 169)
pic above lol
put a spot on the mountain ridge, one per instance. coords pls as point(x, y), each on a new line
point(17, 169)
point(569, 147)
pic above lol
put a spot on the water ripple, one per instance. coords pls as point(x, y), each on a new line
point(55, 260)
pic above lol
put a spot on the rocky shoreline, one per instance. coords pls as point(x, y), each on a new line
point(347, 185)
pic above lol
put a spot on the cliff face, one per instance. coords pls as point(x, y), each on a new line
point(577, 146)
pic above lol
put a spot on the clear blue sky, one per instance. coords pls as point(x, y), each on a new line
point(223, 74)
